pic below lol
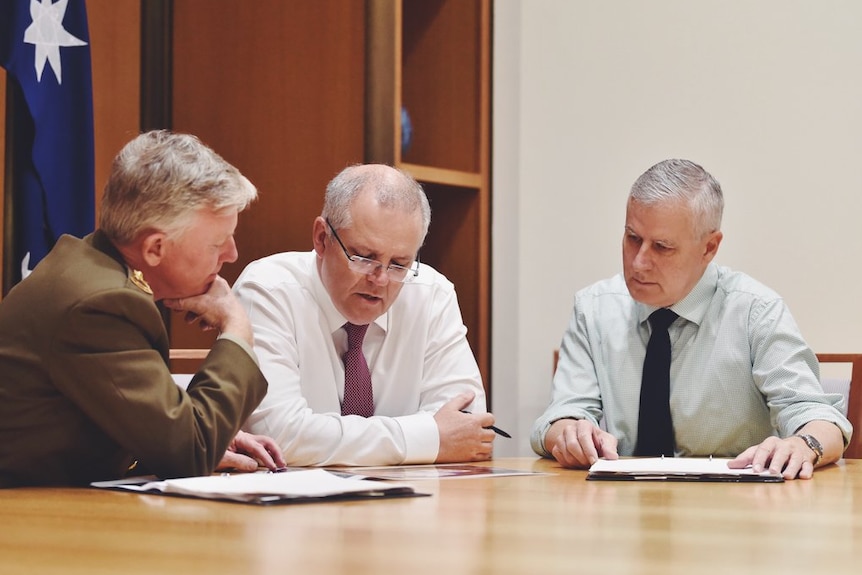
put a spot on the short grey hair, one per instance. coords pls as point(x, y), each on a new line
point(678, 180)
point(160, 179)
point(392, 188)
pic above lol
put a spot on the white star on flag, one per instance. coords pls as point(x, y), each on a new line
point(48, 35)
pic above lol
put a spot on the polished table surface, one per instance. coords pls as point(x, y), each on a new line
point(541, 524)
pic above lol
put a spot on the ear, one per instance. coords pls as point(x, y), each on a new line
point(319, 231)
point(153, 248)
point(711, 246)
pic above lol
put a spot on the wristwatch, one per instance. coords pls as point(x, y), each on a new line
point(815, 446)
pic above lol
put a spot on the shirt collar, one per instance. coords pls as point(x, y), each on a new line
point(694, 305)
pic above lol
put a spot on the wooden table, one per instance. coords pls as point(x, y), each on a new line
point(556, 523)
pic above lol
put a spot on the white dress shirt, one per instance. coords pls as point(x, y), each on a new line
point(417, 353)
point(740, 369)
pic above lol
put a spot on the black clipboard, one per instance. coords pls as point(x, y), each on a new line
point(692, 469)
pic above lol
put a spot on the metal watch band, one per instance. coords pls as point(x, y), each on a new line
point(815, 446)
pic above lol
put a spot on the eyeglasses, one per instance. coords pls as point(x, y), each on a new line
point(369, 267)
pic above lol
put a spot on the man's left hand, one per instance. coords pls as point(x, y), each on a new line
point(791, 457)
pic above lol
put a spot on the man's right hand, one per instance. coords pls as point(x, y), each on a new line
point(463, 436)
point(577, 443)
point(217, 308)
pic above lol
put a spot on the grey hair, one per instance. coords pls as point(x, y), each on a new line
point(682, 181)
point(393, 188)
point(160, 179)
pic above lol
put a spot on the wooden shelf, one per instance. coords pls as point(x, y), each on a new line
point(432, 58)
point(443, 176)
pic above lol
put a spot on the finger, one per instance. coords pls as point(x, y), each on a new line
point(587, 444)
point(274, 451)
point(789, 469)
point(782, 459)
point(807, 470)
point(244, 463)
point(561, 453)
point(233, 460)
point(787, 461)
point(572, 447)
point(271, 449)
point(464, 400)
point(763, 454)
point(459, 402)
point(562, 456)
point(486, 420)
point(608, 445)
point(742, 460)
point(254, 448)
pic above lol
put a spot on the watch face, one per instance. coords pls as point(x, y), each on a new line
point(814, 445)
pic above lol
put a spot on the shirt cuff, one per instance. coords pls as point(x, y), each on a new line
point(421, 438)
point(242, 343)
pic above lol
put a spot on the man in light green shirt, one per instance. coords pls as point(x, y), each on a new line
point(743, 382)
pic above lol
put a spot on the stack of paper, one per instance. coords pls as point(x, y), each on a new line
point(267, 488)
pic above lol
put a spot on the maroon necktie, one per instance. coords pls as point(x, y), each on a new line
point(358, 395)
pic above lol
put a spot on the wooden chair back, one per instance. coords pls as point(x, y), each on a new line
point(186, 360)
point(854, 397)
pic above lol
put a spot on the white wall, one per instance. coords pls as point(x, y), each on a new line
point(588, 94)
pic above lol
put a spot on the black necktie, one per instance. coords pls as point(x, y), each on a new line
point(655, 428)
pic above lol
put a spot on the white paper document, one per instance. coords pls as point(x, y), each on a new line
point(288, 487)
point(676, 468)
point(434, 471)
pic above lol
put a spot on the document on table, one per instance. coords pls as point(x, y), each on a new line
point(676, 469)
point(262, 488)
point(433, 471)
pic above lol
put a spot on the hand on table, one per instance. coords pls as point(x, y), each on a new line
point(791, 457)
point(577, 443)
point(247, 452)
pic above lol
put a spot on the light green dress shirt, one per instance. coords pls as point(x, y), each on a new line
point(740, 369)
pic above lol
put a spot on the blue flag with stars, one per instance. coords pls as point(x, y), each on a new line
point(45, 49)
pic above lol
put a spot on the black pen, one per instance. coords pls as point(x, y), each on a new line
point(496, 430)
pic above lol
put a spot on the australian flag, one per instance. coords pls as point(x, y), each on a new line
point(45, 49)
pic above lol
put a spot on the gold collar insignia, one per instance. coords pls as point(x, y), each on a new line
point(137, 278)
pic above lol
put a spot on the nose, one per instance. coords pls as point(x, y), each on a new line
point(641, 261)
point(230, 253)
point(379, 276)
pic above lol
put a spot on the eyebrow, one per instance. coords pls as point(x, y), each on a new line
point(660, 241)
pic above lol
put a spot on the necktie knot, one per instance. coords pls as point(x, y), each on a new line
point(661, 319)
point(355, 334)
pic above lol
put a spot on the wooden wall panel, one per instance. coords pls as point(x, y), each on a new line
point(278, 89)
point(115, 50)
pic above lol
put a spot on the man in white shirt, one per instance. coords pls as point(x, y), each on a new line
point(364, 270)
